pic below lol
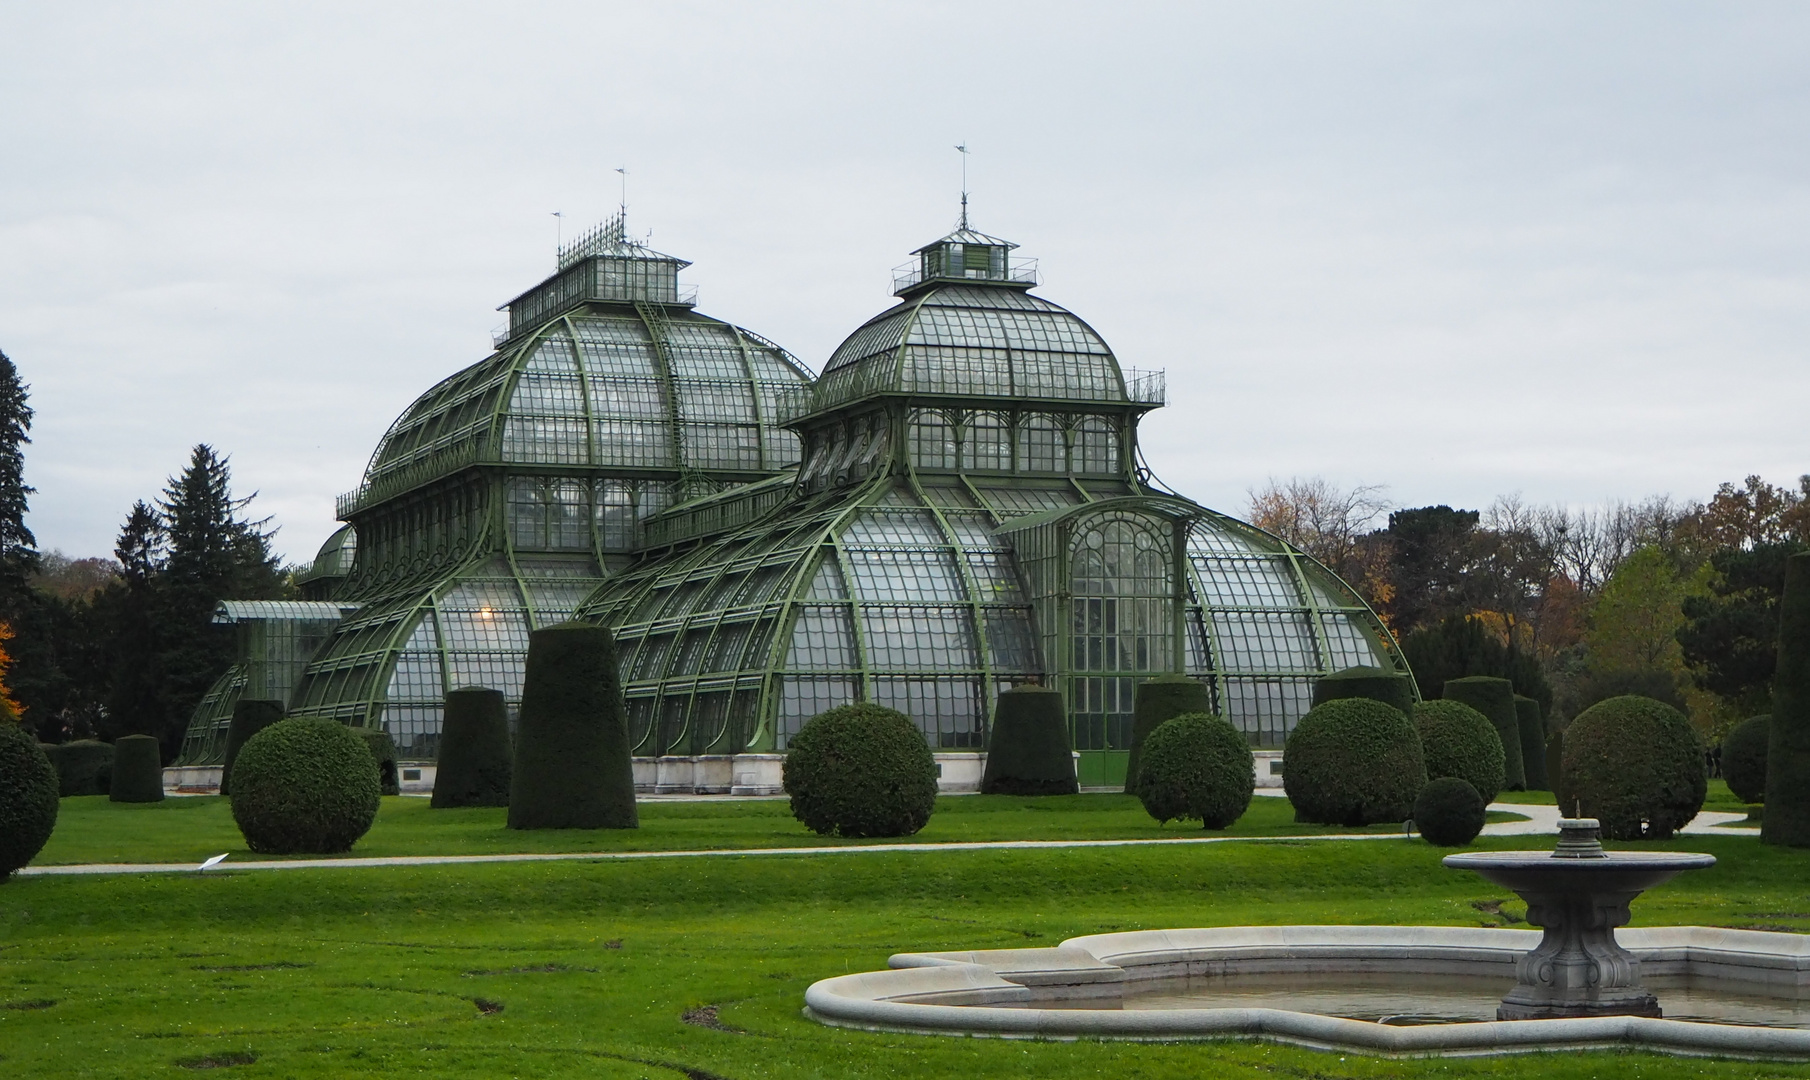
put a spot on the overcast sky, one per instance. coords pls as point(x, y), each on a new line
point(1458, 249)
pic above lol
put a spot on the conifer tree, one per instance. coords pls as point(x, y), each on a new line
point(18, 548)
point(127, 613)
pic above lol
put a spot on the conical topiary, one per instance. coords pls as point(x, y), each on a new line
point(1533, 743)
point(1495, 699)
point(137, 770)
point(1377, 684)
point(1787, 819)
point(249, 717)
point(1029, 752)
point(572, 767)
point(383, 749)
point(1157, 700)
point(474, 765)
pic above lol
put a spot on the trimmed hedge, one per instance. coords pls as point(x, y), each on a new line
point(1787, 819)
point(383, 749)
point(84, 767)
point(137, 770)
point(304, 786)
point(572, 767)
point(1029, 752)
point(1196, 766)
point(1495, 699)
point(28, 798)
point(249, 717)
point(474, 766)
point(1457, 740)
point(1634, 764)
point(1377, 684)
point(861, 770)
point(1533, 743)
point(1555, 757)
point(1449, 812)
point(1154, 702)
point(1744, 758)
point(1353, 761)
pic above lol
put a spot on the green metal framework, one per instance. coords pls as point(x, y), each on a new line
point(274, 640)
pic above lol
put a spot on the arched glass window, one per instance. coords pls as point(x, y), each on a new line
point(1120, 630)
point(1095, 447)
point(1040, 445)
point(986, 444)
point(932, 440)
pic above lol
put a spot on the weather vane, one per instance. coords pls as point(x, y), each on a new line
point(623, 208)
point(963, 148)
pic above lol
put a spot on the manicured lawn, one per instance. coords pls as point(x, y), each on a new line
point(585, 969)
point(92, 830)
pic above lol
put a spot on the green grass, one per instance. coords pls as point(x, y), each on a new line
point(91, 829)
point(399, 971)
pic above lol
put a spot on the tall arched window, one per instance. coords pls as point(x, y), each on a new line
point(987, 445)
point(1120, 629)
point(1040, 445)
point(1095, 447)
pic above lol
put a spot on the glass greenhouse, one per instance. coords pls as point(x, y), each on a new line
point(955, 506)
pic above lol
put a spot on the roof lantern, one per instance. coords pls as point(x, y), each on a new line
point(965, 255)
point(602, 264)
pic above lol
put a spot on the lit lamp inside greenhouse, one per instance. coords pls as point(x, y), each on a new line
point(955, 506)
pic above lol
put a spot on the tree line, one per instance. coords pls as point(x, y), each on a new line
point(1673, 600)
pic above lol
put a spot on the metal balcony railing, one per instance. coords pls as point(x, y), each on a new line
point(1147, 387)
point(912, 274)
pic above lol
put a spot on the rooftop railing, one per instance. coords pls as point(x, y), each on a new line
point(1147, 387)
point(912, 274)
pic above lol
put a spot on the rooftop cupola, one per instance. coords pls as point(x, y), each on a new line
point(966, 256)
point(601, 265)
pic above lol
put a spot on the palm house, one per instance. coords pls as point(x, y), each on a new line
point(956, 505)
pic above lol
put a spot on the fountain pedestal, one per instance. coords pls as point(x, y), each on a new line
point(1578, 895)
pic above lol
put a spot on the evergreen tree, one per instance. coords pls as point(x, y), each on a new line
point(18, 548)
point(126, 615)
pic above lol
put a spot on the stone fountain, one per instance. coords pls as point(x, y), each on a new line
point(1578, 895)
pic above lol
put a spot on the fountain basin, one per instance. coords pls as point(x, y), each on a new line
point(1074, 990)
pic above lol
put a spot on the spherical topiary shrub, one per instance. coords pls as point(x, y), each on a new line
point(474, 764)
point(304, 786)
point(1449, 812)
point(1353, 762)
point(861, 770)
point(1495, 699)
point(1028, 750)
point(1377, 684)
point(1196, 766)
point(1457, 740)
point(137, 770)
point(250, 716)
point(84, 767)
point(1744, 758)
point(383, 749)
point(1533, 743)
point(1635, 765)
point(1154, 702)
point(572, 767)
point(28, 798)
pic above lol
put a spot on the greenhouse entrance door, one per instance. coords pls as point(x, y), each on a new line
point(1121, 632)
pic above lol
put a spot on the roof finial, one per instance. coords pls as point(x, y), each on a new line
point(963, 147)
point(622, 208)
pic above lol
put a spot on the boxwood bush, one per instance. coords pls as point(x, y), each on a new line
point(1457, 740)
point(1196, 767)
point(137, 770)
point(572, 767)
point(1634, 764)
point(474, 764)
point(383, 749)
point(28, 798)
point(1154, 702)
point(1353, 761)
point(861, 770)
point(1744, 758)
point(1533, 743)
point(304, 786)
point(1028, 751)
point(84, 767)
point(1495, 699)
point(1377, 684)
point(1449, 812)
